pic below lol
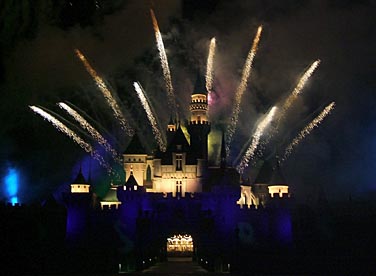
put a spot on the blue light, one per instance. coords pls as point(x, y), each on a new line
point(11, 185)
point(14, 200)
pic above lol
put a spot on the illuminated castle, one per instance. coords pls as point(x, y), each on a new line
point(178, 193)
point(181, 168)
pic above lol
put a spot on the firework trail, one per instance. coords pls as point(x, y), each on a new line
point(264, 123)
point(155, 127)
point(97, 124)
point(92, 131)
point(241, 88)
point(297, 90)
point(209, 66)
point(106, 93)
point(70, 133)
point(164, 63)
point(307, 130)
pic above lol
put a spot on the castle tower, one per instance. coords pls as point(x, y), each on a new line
point(135, 160)
point(199, 125)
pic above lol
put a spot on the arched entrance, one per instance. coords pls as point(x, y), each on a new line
point(180, 247)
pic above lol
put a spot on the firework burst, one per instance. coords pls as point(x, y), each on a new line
point(241, 88)
point(298, 89)
point(70, 133)
point(106, 93)
point(161, 140)
point(307, 130)
point(164, 63)
point(264, 123)
point(92, 131)
point(209, 65)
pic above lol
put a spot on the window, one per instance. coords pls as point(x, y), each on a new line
point(148, 174)
point(178, 186)
point(179, 160)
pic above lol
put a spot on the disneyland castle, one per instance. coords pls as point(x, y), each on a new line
point(175, 196)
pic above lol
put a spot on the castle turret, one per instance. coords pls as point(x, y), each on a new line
point(270, 182)
point(78, 203)
point(199, 125)
point(80, 185)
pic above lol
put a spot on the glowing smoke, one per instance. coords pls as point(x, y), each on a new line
point(70, 133)
point(241, 88)
point(164, 63)
point(264, 123)
point(307, 130)
point(106, 93)
point(161, 140)
point(93, 132)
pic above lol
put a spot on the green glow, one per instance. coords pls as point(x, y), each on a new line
point(214, 146)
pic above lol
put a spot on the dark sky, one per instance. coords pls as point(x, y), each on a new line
point(38, 67)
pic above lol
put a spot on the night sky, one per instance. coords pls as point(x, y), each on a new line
point(38, 67)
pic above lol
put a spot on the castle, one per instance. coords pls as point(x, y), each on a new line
point(176, 193)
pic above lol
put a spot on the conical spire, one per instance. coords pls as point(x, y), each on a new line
point(80, 179)
point(171, 122)
point(179, 139)
point(135, 146)
point(200, 87)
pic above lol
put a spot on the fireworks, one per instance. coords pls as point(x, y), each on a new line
point(93, 132)
point(307, 130)
point(209, 66)
point(164, 63)
point(241, 88)
point(106, 93)
point(264, 123)
point(263, 133)
point(152, 119)
point(70, 133)
point(297, 90)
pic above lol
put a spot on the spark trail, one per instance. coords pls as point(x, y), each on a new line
point(106, 93)
point(298, 89)
point(209, 66)
point(152, 119)
point(92, 131)
point(241, 88)
point(164, 63)
point(307, 130)
point(264, 123)
point(70, 133)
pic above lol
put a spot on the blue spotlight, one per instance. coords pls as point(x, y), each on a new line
point(11, 185)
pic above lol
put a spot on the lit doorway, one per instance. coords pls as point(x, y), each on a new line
point(180, 247)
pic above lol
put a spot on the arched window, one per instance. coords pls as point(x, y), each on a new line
point(148, 173)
